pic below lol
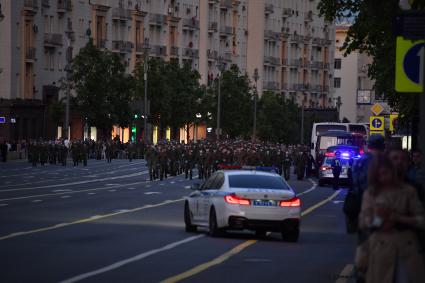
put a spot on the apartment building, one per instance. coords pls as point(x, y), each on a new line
point(284, 39)
point(351, 82)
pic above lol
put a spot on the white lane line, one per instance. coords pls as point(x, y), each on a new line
point(131, 188)
point(338, 201)
point(172, 182)
point(312, 188)
point(138, 257)
point(3, 204)
point(65, 196)
point(112, 191)
point(112, 184)
point(37, 200)
point(346, 274)
point(91, 194)
point(153, 193)
point(59, 191)
point(78, 183)
point(187, 187)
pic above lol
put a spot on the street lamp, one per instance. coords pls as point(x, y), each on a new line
point(146, 49)
point(220, 66)
point(254, 131)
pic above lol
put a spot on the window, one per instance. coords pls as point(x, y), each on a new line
point(337, 64)
point(257, 182)
point(337, 82)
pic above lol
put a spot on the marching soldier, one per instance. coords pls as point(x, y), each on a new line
point(287, 161)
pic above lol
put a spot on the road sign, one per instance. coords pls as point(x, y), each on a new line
point(410, 60)
point(393, 122)
point(377, 109)
point(2, 120)
point(382, 133)
point(376, 123)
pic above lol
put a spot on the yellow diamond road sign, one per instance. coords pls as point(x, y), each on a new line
point(410, 60)
point(377, 109)
point(376, 123)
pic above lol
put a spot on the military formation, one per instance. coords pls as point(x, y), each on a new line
point(173, 158)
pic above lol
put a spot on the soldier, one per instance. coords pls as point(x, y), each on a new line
point(163, 163)
point(336, 169)
point(35, 153)
point(74, 152)
point(287, 161)
point(44, 154)
point(201, 161)
point(109, 151)
point(130, 151)
point(63, 151)
point(84, 151)
point(189, 161)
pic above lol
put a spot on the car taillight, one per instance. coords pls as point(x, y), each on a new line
point(291, 202)
point(233, 199)
point(324, 168)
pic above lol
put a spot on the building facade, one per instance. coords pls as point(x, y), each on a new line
point(285, 40)
point(351, 82)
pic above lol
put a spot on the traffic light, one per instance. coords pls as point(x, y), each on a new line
point(136, 116)
point(133, 132)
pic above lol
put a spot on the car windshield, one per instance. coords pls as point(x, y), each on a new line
point(257, 181)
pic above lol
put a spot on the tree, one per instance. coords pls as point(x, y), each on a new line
point(236, 103)
point(104, 91)
point(372, 33)
point(278, 119)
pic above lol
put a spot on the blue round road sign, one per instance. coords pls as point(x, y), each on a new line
point(412, 64)
point(377, 123)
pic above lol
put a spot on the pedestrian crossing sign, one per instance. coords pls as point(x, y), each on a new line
point(376, 123)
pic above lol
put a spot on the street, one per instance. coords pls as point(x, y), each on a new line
point(109, 223)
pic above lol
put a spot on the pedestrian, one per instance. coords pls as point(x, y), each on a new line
point(3, 151)
point(336, 166)
point(390, 214)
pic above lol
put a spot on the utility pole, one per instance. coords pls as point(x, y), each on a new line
point(220, 66)
point(146, 49)
point(254, 128)
point(302, 123)
point(68, 70)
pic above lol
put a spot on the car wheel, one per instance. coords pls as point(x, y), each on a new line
point(260, 233)
point(291, 235)
point(214, 231)
point(189, 227)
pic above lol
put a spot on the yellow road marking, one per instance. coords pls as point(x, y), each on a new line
point(222, 258)
point(85, 220)
point(206, 265)
point(345, 274)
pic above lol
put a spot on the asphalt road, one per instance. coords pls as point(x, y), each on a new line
point(109, 223)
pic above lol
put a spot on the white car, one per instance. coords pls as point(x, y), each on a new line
point(244, 199)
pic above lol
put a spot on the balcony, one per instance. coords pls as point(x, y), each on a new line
point(226, 4)
point(296, 38)
point(191, 53)
point(316, 65)
point(271, 35)
point(295, 62)
point(326, 65)
point(53, 39)
point(30, 54)
point(325, 88)
point(285, 62)
point(157, 19)
point(174, 51)
point(308, 17)
point(122, 46)
point(121, 14)
point(212, 27)
point(286, 12)
point(271, 85)
point(316, 41)
point(226, 30)
point(212, 54)
point(64, 6)
point(271, 60)
point(158, 50)
point(31, 5)
point(268, 9)
point(190, 24)
point(227, 56)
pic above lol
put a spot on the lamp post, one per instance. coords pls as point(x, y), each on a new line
point(146, 49)
point(254, 128)
point(220, 66)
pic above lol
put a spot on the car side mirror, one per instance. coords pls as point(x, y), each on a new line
point(195, 187)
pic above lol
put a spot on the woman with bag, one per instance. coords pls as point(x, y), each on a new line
point(390, 217)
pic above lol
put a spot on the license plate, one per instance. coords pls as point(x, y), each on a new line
point(264, 203)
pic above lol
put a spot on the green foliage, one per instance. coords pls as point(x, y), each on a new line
point(372, 33)
point(104, 90)
point(278, 119)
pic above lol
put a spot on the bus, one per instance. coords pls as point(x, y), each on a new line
point(319, 129)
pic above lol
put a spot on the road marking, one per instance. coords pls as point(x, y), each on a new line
point(236, 250)
point(3, 204)
point(309, 190)
point(187, 187)
point(206, 265)
point(37, 200)
point(131, 188)
point(85, 220)
point(338, 201)
point(346, 274)
point(58, 191)
point(112, 191)
point(138, 257)
point(91, 194)
point(65, 196)
point(153, 193)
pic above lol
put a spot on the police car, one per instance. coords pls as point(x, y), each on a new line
point(245, 198)
point(347, 154)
